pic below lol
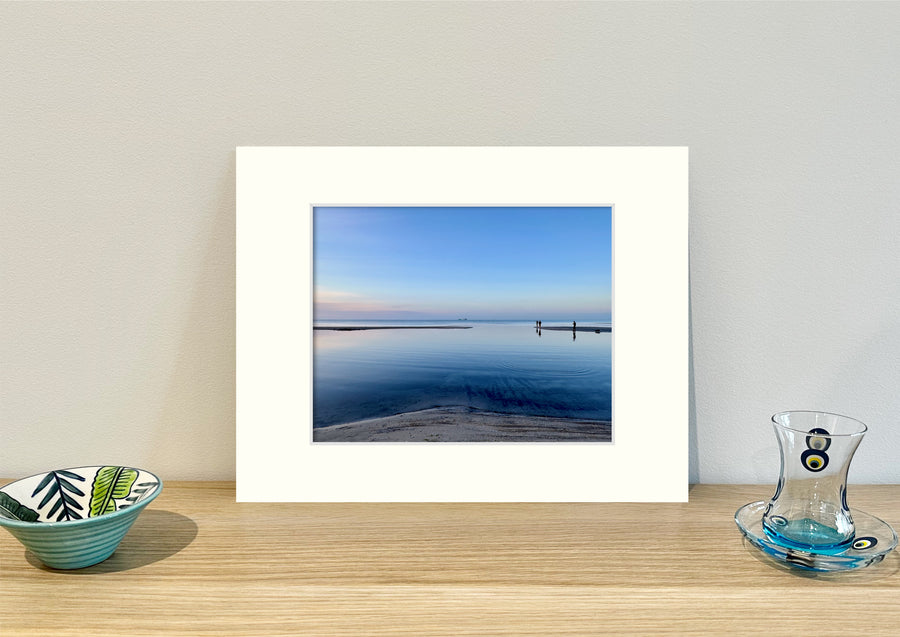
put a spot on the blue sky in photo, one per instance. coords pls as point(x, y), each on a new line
point(548, 263)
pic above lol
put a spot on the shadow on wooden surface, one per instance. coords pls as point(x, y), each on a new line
point(155, 535)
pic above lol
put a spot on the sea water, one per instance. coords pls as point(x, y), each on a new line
point(502, 366)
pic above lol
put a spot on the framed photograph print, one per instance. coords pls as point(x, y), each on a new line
point(462, 324)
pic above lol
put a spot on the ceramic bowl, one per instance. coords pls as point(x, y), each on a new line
point(72, 518)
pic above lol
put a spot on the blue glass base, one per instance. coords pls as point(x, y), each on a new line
point(807, 535)
point(873, 541)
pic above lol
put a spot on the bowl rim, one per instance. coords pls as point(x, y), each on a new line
point(134, 508)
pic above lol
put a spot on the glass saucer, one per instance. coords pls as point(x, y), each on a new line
point(874, 539)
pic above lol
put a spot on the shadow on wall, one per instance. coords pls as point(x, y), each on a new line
point(199, 402)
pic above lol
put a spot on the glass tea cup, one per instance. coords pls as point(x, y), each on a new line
point(809, 509)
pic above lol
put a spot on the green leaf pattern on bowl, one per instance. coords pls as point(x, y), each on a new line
point(57, 483)
point(12, 508)
point(110, 484)
point(59, 497)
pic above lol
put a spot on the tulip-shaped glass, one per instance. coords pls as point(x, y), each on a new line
point(809, 509)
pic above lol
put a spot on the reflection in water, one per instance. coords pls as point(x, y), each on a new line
point(499, 367)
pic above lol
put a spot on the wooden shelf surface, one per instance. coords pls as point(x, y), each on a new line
point(197, 563)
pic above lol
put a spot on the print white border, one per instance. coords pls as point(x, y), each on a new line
point(276, 460)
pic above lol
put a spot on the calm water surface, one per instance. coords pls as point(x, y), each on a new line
point(499, 366)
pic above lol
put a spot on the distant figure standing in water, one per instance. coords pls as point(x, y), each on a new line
point(573, 326)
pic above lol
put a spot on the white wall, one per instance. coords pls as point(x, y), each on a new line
point(119, 123)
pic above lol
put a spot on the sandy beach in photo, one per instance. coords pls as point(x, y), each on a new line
point(465, 424)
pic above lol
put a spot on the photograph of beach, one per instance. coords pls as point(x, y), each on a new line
point(462, 324)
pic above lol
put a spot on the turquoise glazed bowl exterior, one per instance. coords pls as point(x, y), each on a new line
point(73, 518)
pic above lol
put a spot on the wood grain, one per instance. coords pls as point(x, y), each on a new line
point(197, 563)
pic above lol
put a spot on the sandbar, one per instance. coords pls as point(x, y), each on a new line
point(557, 328)
point(342, 328)
point(466, 424)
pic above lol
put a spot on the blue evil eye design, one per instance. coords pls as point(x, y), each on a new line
point(863, 543)
point(778, 520)
point(819, 439)
point(814, 460)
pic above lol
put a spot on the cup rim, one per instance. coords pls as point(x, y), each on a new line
point(862, 428)
point(105, 518)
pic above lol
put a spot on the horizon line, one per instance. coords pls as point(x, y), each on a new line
point(451, 319)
